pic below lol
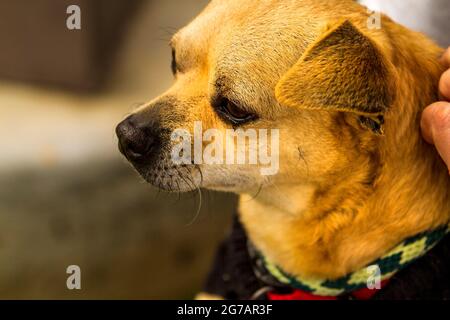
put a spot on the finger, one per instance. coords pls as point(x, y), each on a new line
point(444, 85)
point(436, 128)
point(445, 59)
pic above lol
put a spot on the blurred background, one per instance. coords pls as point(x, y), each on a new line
point(66, 195)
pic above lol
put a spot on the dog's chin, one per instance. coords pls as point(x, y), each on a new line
point(184, 178)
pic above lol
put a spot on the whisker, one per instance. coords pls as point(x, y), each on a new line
point(190, 183)
point(301, 154)
point(201, 175)
point(197, 214)
point(178, 190)
point(257, 193)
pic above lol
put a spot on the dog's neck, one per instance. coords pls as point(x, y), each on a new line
point(329, 232)
point(331, 229)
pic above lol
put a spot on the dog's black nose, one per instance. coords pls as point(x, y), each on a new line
point(136, 141)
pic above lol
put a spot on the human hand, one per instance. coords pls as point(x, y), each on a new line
point(436, 117)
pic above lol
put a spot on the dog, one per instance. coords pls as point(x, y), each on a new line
point(355, 177)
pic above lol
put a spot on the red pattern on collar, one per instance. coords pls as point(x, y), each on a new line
point(361, 294)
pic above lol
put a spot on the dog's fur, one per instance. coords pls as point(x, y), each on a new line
point(356, 177)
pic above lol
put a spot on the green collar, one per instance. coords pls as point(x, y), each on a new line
point(385, 267)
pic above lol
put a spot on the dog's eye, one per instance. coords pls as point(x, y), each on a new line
point(234, 113)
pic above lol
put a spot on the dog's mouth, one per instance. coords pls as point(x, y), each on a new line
point(170, 177)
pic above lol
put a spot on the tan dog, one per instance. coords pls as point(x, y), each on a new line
point(355, 176)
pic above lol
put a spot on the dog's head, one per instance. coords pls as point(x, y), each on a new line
point(312, 90)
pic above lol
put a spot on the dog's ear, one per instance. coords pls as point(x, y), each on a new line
point(343, 71)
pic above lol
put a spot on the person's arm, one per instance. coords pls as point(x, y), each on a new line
point(436, 117)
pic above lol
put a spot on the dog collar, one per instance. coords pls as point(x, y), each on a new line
point(355, 284)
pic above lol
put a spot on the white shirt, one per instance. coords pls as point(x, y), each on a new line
point(431, 17)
